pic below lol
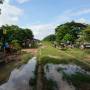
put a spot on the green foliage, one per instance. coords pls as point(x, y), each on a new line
point(51, 84)
point(25, 58)
point(87, 34)
point(68, 37)
point(50, 38)
point(14, 32)
point(68, 31)
point(77, 79)
point(15, 44)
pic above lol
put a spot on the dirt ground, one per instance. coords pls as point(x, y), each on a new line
point(32, 51)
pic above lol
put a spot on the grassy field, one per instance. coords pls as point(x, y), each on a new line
point(49, 54)
point(5, 69)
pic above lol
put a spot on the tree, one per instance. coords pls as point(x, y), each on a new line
point(68, 38)
point(68, 31)
point(86, 34)
point(14, 32)
point(51, 38)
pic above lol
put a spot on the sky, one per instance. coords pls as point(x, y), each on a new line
point(43, 16)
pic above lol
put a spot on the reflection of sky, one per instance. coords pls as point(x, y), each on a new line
point(19, 78)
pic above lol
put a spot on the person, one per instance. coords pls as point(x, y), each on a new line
point(7, 48)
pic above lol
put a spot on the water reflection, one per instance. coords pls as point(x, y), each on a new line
point(19, 78)
point(54, 72)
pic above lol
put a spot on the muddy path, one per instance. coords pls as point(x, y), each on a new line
point(40, 78)
point(33, 51)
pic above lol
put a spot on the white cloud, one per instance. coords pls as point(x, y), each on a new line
point(41, 31)
point(81, 20)
point(22, 1)
point(77, 12)
point(69, 14)
point(10, 14)
point(80, 12)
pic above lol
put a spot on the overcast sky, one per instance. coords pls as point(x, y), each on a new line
point(42, 16)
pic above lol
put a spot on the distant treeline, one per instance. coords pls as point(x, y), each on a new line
point(70, 32)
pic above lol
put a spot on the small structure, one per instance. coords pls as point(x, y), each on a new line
point(85, 46)
point(28, 43)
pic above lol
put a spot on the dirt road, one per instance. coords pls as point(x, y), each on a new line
point(32, 51)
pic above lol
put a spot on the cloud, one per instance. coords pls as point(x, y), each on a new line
point(69, 14)
point(10, 14)
point(42, 30)
point(22, 1)
point(72, 12)
point(80, 12)
point(81, 20)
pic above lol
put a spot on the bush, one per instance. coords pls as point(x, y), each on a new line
point(15, 45)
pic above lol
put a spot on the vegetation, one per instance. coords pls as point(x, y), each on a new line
point(51, 85)
point(25, 57)
point(50, 38)
point(13, 32)
point(49, 54)
point(87, 34)
point(79, 80)
point(68, 32)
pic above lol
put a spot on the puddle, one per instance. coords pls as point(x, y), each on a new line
point(68, 69)
point(54, 72)
point(19, 78)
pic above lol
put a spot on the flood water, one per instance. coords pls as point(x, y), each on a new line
point(19, 78)
point(54, 72)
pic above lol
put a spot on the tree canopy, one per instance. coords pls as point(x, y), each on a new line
point(14, 32)
point(68, 31)
point(51, 37)
point(86, 34)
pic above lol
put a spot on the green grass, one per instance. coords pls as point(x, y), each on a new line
point(49, 54)
point(25, 57)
